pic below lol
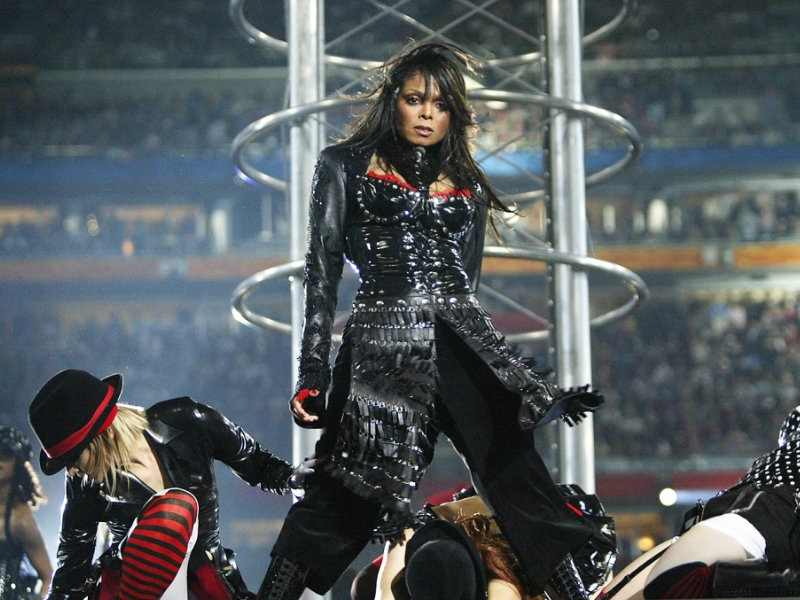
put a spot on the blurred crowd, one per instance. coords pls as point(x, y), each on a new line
point(186, 125)
point(670, 108)
point(191, 33)
point(686, 377)
point(727, 106)
point(749, 102)
point(722, 218)
point(747, 217)
point(93, 34)
point(100, 235)
point(682, 377)
point(206, 356)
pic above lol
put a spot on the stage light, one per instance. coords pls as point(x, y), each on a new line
point(668, 496)
point(645, 543)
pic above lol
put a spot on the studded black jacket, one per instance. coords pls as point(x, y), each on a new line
point(187, 437)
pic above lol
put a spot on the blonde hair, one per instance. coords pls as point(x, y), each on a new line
point(112, 450)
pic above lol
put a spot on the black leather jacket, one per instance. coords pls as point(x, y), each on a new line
point(334, 202)
point(187, 437)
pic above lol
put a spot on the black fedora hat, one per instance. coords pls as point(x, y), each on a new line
point(68, 412)
point(442, 558)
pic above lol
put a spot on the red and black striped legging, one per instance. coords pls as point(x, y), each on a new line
point(158, 547)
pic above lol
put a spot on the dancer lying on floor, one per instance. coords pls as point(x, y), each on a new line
point(749, 532)
point(457, 551)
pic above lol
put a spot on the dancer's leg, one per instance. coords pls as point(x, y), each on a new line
point(628, 583)
point(480, 418)
point(156, 552)
point(325, 531)
point(686, 568)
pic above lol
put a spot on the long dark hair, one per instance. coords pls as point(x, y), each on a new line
point(441, 64)
point(25, 486)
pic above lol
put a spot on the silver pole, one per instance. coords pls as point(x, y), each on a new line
point(568, 200)
point(306, 33)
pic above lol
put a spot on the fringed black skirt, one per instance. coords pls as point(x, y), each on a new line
point(382, 412)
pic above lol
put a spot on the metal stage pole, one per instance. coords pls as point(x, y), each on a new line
point(570, 292)
point(306, 34)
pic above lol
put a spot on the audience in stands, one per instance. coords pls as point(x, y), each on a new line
point(192, 34)
point(715, 217)
point(696, 377)
point(193, 354)
point(712, 383)
point(722, 107)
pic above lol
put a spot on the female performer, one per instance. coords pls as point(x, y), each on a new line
point(149, 476)
point(20, 537)
point(403, 200)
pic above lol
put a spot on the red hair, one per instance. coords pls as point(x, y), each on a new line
point(498, 558)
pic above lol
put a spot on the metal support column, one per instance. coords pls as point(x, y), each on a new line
point(306, 33)
point(569, 229)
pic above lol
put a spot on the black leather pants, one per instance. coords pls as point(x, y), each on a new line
point(480, 418)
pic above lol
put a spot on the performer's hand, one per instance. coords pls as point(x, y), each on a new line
point(300, 477)
point(309, 414)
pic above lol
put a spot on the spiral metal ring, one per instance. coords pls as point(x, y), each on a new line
point(247, 316)
point(264, 125)
point(261, 127)
point(259, 37)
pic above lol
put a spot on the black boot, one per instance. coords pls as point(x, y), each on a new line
point(549, 402)
point(752, 579)
point(285, 580)
point(566, 581)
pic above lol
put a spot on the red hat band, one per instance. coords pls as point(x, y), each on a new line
point(84, 432)
point(70, 410)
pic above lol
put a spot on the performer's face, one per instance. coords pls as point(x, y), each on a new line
point(79, 466)
point(422, 115)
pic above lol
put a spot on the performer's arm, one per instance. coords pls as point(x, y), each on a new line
point(323, 271)
point(25, 530)
point(236, 448)
point(73, 577)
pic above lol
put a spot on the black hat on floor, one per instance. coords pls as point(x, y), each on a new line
point(443, 562)
point(69, 412)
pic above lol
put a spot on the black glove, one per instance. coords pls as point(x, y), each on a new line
point(300, 477)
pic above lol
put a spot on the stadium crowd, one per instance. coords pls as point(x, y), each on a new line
point(728, 107)
point(689, 377)
point(722, 218)
point(715, 382)
point(214, 360)
point(187, 33)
